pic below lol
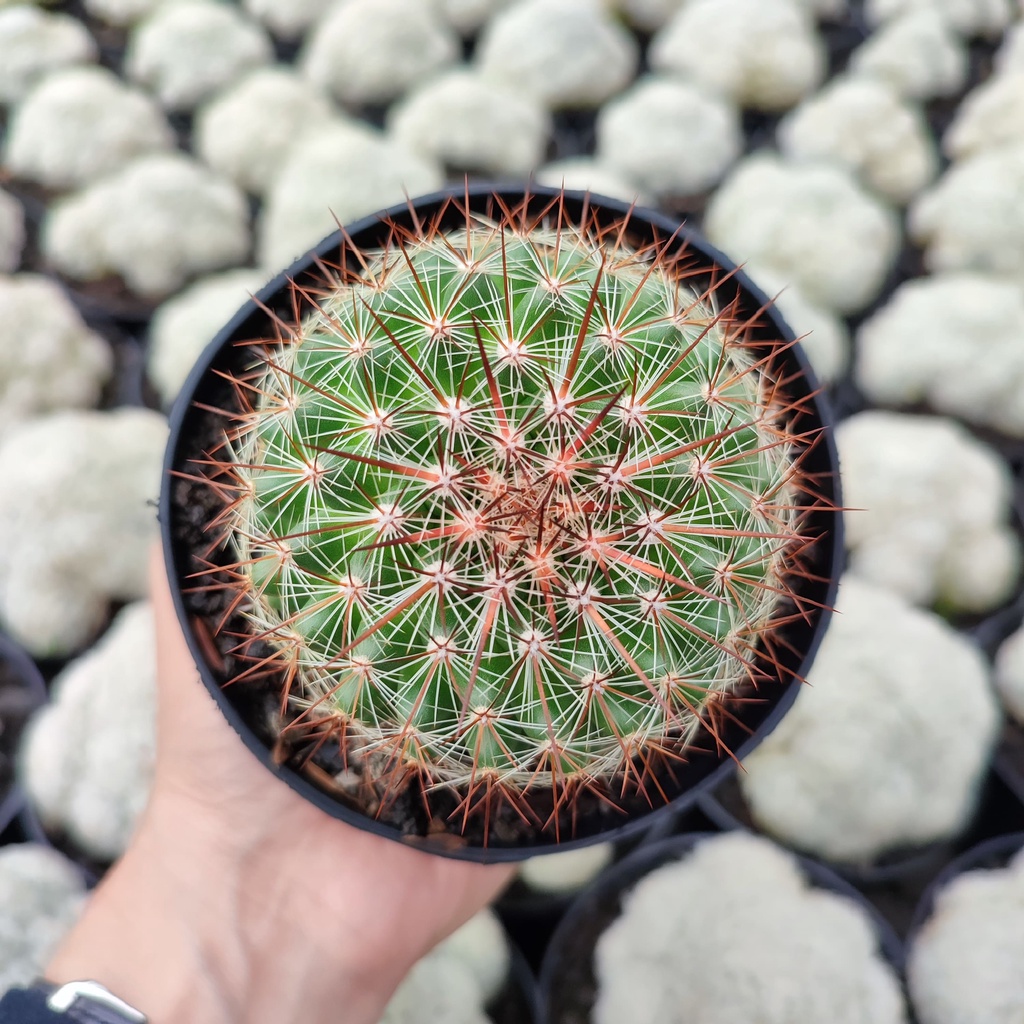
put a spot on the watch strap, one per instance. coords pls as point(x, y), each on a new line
point(78, 1002)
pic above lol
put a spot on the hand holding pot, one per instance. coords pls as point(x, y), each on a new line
point(238, 900)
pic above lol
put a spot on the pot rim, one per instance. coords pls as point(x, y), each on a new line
point(657, 224)
point(990, 854)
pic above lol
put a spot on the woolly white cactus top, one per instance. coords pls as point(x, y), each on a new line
point(584, 173)
point(936, 504)
point(187, 50)
point(991, 115)
point(333, 176)
point(671, 137)
point(455, 981)
point(12, 232)
point(41, 896)
point(467, 16)
point(184, 325)
point(887, 745)
point(765, 54)
point(567, 53)
point(75, 522)
point(34, 42)
point(79, 124)
point(965, 965)
point(469, 122)
point(87, 758)
point(49, 359)
point(733, 932)
point(969, 17)
point(954, 341)
point(1009, 674)
point(972, 218)
point(917, 53)
point(567, 871)
point(862, 124)
point(156, 222)
point(828, 10)
point(371, 51)
point(823, 335)
point(125, 12)
point(480, 947)
point(649, 15)
point(245, 132)
point(811, 223)
point(1010, 56)
point(288, 20)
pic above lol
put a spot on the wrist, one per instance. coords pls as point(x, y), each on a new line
point(196, 926)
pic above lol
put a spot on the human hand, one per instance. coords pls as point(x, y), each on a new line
point(240, 901)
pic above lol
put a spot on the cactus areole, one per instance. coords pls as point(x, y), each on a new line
point(503, 520)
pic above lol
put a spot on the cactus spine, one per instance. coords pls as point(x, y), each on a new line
point(515, 509)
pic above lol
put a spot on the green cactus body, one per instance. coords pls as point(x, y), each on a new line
point(516, 507)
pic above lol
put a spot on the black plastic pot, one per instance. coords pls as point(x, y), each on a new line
point(990, 855)
point(568, 987)
point(22, 691)
point(993, 854)
point(992, 631)
point(182, 524)
point(518, 1001)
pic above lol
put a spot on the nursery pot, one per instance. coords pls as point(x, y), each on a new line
point(518, 1000)
point(433, 817)
point(990, 855)
point(568, 985)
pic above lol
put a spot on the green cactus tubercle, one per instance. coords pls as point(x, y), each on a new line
point(516, 505)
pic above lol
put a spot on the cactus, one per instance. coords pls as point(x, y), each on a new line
point(514, 508)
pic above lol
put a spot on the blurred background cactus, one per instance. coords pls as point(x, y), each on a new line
point(515, 507)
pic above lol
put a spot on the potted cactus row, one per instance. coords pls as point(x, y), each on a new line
point(502, 520)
